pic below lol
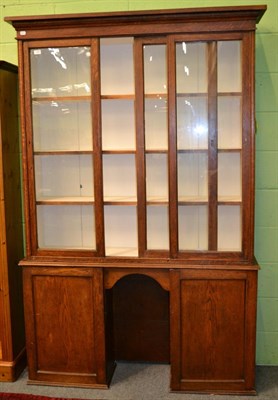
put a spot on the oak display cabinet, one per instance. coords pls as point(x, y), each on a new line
point(138, 154)
point(12, 338)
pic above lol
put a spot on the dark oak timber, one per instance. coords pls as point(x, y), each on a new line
point(86, 308)
point(12, 336)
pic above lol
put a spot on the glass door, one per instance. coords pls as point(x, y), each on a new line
point(192, 145)
point(141, 138)
point(156, 145)
point(63, 147)
point(209, 145)
point(152, 146)
point(118, 146)
point(229, 128)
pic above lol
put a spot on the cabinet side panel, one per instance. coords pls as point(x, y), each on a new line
point(212, 320)
point(12, 203)
point(12, 338)
point(5, 332)
point(64, 324)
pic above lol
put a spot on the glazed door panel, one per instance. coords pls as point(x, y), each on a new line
point(65, 325)
point(213, 308)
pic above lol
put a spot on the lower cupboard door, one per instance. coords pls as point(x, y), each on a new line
point(64, 326)
point(213, 331)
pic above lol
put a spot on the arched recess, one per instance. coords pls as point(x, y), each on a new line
point(140, 318)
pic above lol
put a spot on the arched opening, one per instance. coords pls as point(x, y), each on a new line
point(140, 319)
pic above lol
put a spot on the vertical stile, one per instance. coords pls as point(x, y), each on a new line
point(212, 145)
point(175, 333)
point(248, 144)
point(172, 150)
point(140, 146)
point(96, 121)
point(28, 158)
point(21, 62)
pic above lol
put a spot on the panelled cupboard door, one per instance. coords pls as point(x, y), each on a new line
point(213, 340)
point(65, 327)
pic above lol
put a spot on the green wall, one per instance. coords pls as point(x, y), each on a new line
point(266, 242)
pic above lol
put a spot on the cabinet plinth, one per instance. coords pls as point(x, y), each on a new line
point(138, 148)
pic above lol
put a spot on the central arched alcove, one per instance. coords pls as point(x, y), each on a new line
point(140, 319)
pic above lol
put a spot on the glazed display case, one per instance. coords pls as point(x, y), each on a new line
point(138, 150)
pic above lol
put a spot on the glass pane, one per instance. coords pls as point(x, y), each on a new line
point(229, 122)
point(119, 177)
point(118, 125)
point(156, 124)
point(157, 228)
point(61, 71)
point(229, 66)
point(66, 227)
point(64, 176)
point(62, 125)
point(157, 177)
point(155, 72)
point(193, 177)
point(192, 123)
point(191, 67)
point(229, 228)
point(229, 177)
point(193, 228)
point(120, 223)
point(117, 69)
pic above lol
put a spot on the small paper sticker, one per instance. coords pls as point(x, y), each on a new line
point(22, 33)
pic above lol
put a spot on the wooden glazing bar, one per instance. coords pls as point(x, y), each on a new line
point(172, 135)
point(212, 144)
point(28, 159)
point(248, 144)
point(96, 127)
point(21, 74)
point(140, 146)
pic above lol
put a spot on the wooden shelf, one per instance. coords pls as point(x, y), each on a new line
point(65, 200)
point(229, 200)
point(121, 252)
point(156, 96)
point(62, 152)
point(202, 200)
point(193, 150)
point(118, 151)
point(120, 200)
point(227, 150)
point(156, 151)
point(202, 94)
point(205, 150)
point(61, 98)
point(117, 97)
